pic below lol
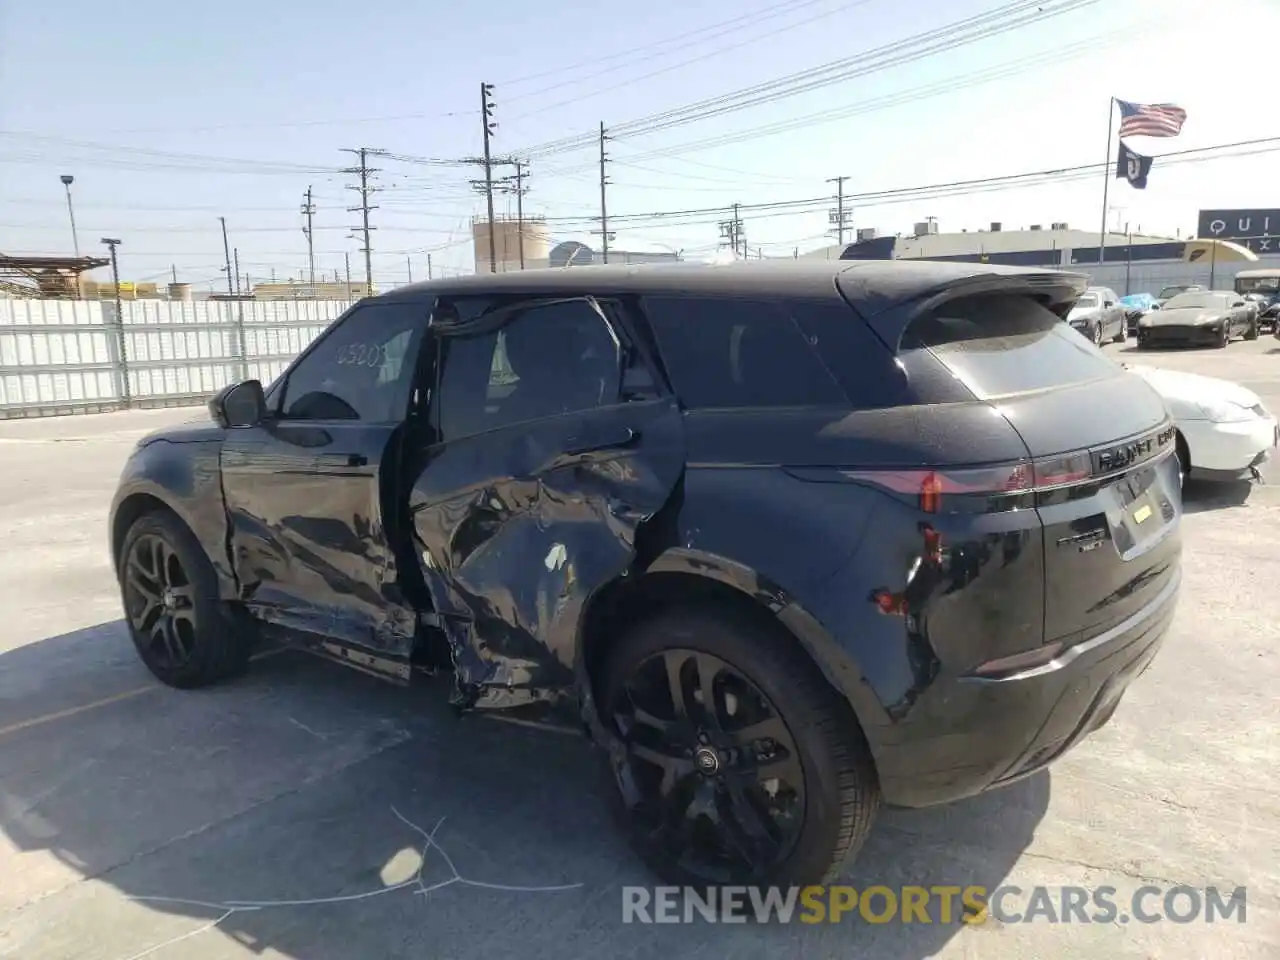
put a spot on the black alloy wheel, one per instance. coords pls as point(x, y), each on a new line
point(160, 601)
point(183, 632)
point(740, 769)
point(717, 768)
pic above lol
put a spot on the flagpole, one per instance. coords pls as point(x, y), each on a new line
point(1106, 182)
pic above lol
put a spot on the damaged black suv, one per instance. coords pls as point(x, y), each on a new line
point(788, 539)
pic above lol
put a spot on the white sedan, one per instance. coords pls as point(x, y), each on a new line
point(1224, 431)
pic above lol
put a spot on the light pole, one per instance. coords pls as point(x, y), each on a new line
point(126, 398)
point(67, 180)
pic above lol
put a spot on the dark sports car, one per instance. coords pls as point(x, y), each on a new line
point(1205, 318)
point(784, 539)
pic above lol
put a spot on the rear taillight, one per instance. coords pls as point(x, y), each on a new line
point(933, 487)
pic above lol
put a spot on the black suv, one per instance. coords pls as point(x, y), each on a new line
point(787, 539)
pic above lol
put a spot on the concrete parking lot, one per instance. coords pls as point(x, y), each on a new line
point(285, 815)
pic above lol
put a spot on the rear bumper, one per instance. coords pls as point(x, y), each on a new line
point(1227, 450)
point(970, 735)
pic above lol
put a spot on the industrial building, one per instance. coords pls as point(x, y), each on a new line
point(1130, 262)
point(525, 244)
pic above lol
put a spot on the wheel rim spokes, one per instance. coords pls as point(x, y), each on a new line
point(720, 789)
point(160, 600)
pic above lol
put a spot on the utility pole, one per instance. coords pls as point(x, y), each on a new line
point(490, 125)
point(732, 233)
point(365, 172)
point(126, 398)
point(837, 216)
point(174, 268)
point(67, 180)
point(430, 275)
point(604, 209)
point(226, 252)
point(236, 254)
point(308, 211)
point(408, 262)
point(514, 184)
point(346, 259)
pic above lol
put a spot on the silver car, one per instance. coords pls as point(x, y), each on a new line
point(1099, 316)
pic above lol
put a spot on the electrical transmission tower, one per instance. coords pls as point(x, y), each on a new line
point(366, 189)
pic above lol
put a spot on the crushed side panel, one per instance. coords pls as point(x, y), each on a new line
point(518, 528)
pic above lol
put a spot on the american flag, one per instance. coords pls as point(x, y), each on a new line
point(1150, 119)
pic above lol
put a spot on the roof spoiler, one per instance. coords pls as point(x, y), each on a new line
point(889, 317)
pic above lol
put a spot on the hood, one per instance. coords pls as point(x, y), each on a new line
point(1177, 387)
point(193, 432)
point(1079, 313)
point(1181, 316)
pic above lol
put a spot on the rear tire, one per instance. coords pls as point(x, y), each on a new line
point(681, 758)
point(1183, 453)
point(181, 629)
point(1253, 331)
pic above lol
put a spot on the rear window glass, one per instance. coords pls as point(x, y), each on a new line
point(997, 345)
point(738, 353)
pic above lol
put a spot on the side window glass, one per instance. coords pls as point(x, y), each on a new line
point(547, 361)
point(729, 352)
point(361, 370)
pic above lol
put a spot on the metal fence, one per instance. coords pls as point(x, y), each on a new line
point(77, 356)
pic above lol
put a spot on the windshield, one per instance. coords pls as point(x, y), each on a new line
point(1268, 285)
point(1087, 300)
point(1201, 301)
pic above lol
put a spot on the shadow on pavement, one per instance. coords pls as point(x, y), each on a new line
point(1201, 495)
point(290, 811)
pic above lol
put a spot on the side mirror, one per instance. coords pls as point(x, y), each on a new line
point(239, 405)
point(1238, 303)
point(1155, 306)
point(1108, 303)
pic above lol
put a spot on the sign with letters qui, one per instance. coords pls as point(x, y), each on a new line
point(1256, 229)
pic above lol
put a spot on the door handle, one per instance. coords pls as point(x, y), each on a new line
point(343, 460)
point(580, 445)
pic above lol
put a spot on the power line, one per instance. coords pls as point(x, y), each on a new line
point(1003, 19)
point(706, 55)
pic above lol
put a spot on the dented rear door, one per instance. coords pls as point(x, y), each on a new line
point(524, 508)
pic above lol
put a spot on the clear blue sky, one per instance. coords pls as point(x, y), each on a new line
point(286, 92)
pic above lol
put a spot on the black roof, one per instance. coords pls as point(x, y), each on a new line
point(883, 281)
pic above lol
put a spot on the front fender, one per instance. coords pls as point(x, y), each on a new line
point(185, 478)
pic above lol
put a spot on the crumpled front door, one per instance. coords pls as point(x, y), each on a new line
point(519, 526)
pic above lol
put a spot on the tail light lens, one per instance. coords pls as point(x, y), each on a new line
point(932, 488)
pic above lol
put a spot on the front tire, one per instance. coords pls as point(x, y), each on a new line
point(1254, 329)
point(182, 631)
point(1097, 335)
point(1225, 337)
point(742, 765)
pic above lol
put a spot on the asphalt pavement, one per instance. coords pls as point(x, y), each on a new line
point(307, 811)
